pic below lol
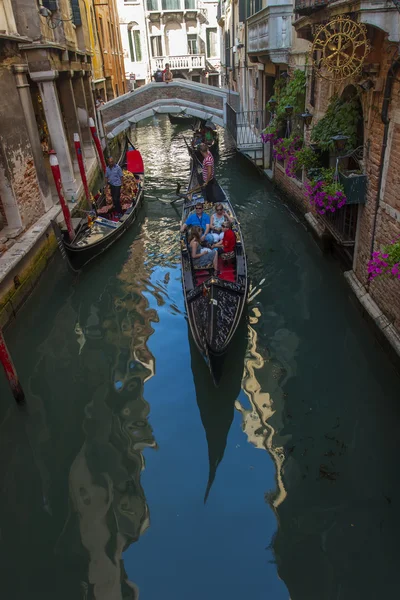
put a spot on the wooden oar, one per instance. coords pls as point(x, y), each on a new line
point(194, 189)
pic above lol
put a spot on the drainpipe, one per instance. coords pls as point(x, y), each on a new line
point(390, 79)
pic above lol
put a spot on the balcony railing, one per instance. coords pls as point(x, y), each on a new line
point(177, 5)
point(306, 7)
point(184, 62)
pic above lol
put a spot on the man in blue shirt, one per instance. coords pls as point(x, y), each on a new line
point(200, 219)
point(114, 178)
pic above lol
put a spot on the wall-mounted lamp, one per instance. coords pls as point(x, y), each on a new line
point(307, 118)
point(289, 110)
point(272, 104)
point(340, 141)
point(367, 85)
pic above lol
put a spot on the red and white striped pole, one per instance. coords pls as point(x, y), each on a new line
point(55, 168)
point(10, 372)
point(97, 143)
point(78, 150)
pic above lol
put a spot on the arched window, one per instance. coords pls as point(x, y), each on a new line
point(135, 47)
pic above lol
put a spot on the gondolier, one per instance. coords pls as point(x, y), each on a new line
point(114, 178)
point(208, 173)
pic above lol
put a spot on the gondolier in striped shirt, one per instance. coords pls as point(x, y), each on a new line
point(208, 173)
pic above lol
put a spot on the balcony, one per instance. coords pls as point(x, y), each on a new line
point(172, 5)
point(306, 7)
point(221, 12)
point(270, 32)
point(185, 62)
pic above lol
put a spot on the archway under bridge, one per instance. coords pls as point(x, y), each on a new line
point(192, 98)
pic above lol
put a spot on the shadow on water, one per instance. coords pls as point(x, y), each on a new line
point(216, 403)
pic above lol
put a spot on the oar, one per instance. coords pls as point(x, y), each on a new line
point(185, 196)
point(164, 200)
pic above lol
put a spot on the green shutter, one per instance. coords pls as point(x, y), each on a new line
point(76, 12)
point(131, 45)
point(138, 48)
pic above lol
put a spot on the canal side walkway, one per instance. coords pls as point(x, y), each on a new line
point(27, 254)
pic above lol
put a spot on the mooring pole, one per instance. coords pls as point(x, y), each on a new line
point(11, 374)
point(55, 169)
point(78, 150)
point(97, 143)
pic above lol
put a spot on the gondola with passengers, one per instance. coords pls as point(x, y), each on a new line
point(205, 132)
point(214, 269)
point(106, 223)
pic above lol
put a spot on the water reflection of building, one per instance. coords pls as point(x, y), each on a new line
point(107, 501)
point(258, 420)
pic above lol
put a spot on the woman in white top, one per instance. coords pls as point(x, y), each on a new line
point(217, 220)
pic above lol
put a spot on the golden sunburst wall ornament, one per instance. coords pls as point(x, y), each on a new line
point(339, 48)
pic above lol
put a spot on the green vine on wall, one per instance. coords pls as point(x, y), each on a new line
point(342, 116)
point(291, 92)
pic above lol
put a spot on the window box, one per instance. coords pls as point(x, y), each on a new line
point(354, 186)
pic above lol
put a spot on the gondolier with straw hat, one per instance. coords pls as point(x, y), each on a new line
point(208, 173)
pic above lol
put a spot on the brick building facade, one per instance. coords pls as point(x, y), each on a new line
point(375, 222)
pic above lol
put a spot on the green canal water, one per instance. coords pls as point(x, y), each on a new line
point(129, 475)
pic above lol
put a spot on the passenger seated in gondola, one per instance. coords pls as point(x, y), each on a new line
point(199, 219)
point(217, 220)
point(201, 257)
point(226, 247)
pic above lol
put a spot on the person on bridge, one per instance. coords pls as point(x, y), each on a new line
point(167, 74)
point(114, 177)
point(158, 76)
point(208, 174)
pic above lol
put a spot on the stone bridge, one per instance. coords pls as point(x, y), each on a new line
point(196, 99)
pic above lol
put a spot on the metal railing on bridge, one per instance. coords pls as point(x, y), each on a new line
point(245, 127)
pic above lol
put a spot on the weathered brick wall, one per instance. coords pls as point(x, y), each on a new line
point(386, 291)
point(151, 93)
point(15, 146)
point(292, 188)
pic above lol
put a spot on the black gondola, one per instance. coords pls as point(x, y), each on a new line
point(93, 239)
point(214, 303)
point(181, 119)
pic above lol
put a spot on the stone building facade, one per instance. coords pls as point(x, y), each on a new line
point(183, 33)
point(109, 35)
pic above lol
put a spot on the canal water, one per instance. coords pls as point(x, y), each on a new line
point(129, 474)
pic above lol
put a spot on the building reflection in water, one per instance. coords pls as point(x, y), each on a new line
point(107, 502)
point(257, 421)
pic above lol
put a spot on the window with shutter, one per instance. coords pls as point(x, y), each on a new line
point(50, 5)
point(76, 13)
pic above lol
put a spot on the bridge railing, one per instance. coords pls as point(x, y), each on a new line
point(186, 61)
point(245, 126)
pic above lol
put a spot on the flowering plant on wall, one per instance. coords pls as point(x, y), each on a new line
point(324, 192)
point(385, 261)
point(289, 92)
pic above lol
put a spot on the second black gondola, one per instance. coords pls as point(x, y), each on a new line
point(92, 239)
